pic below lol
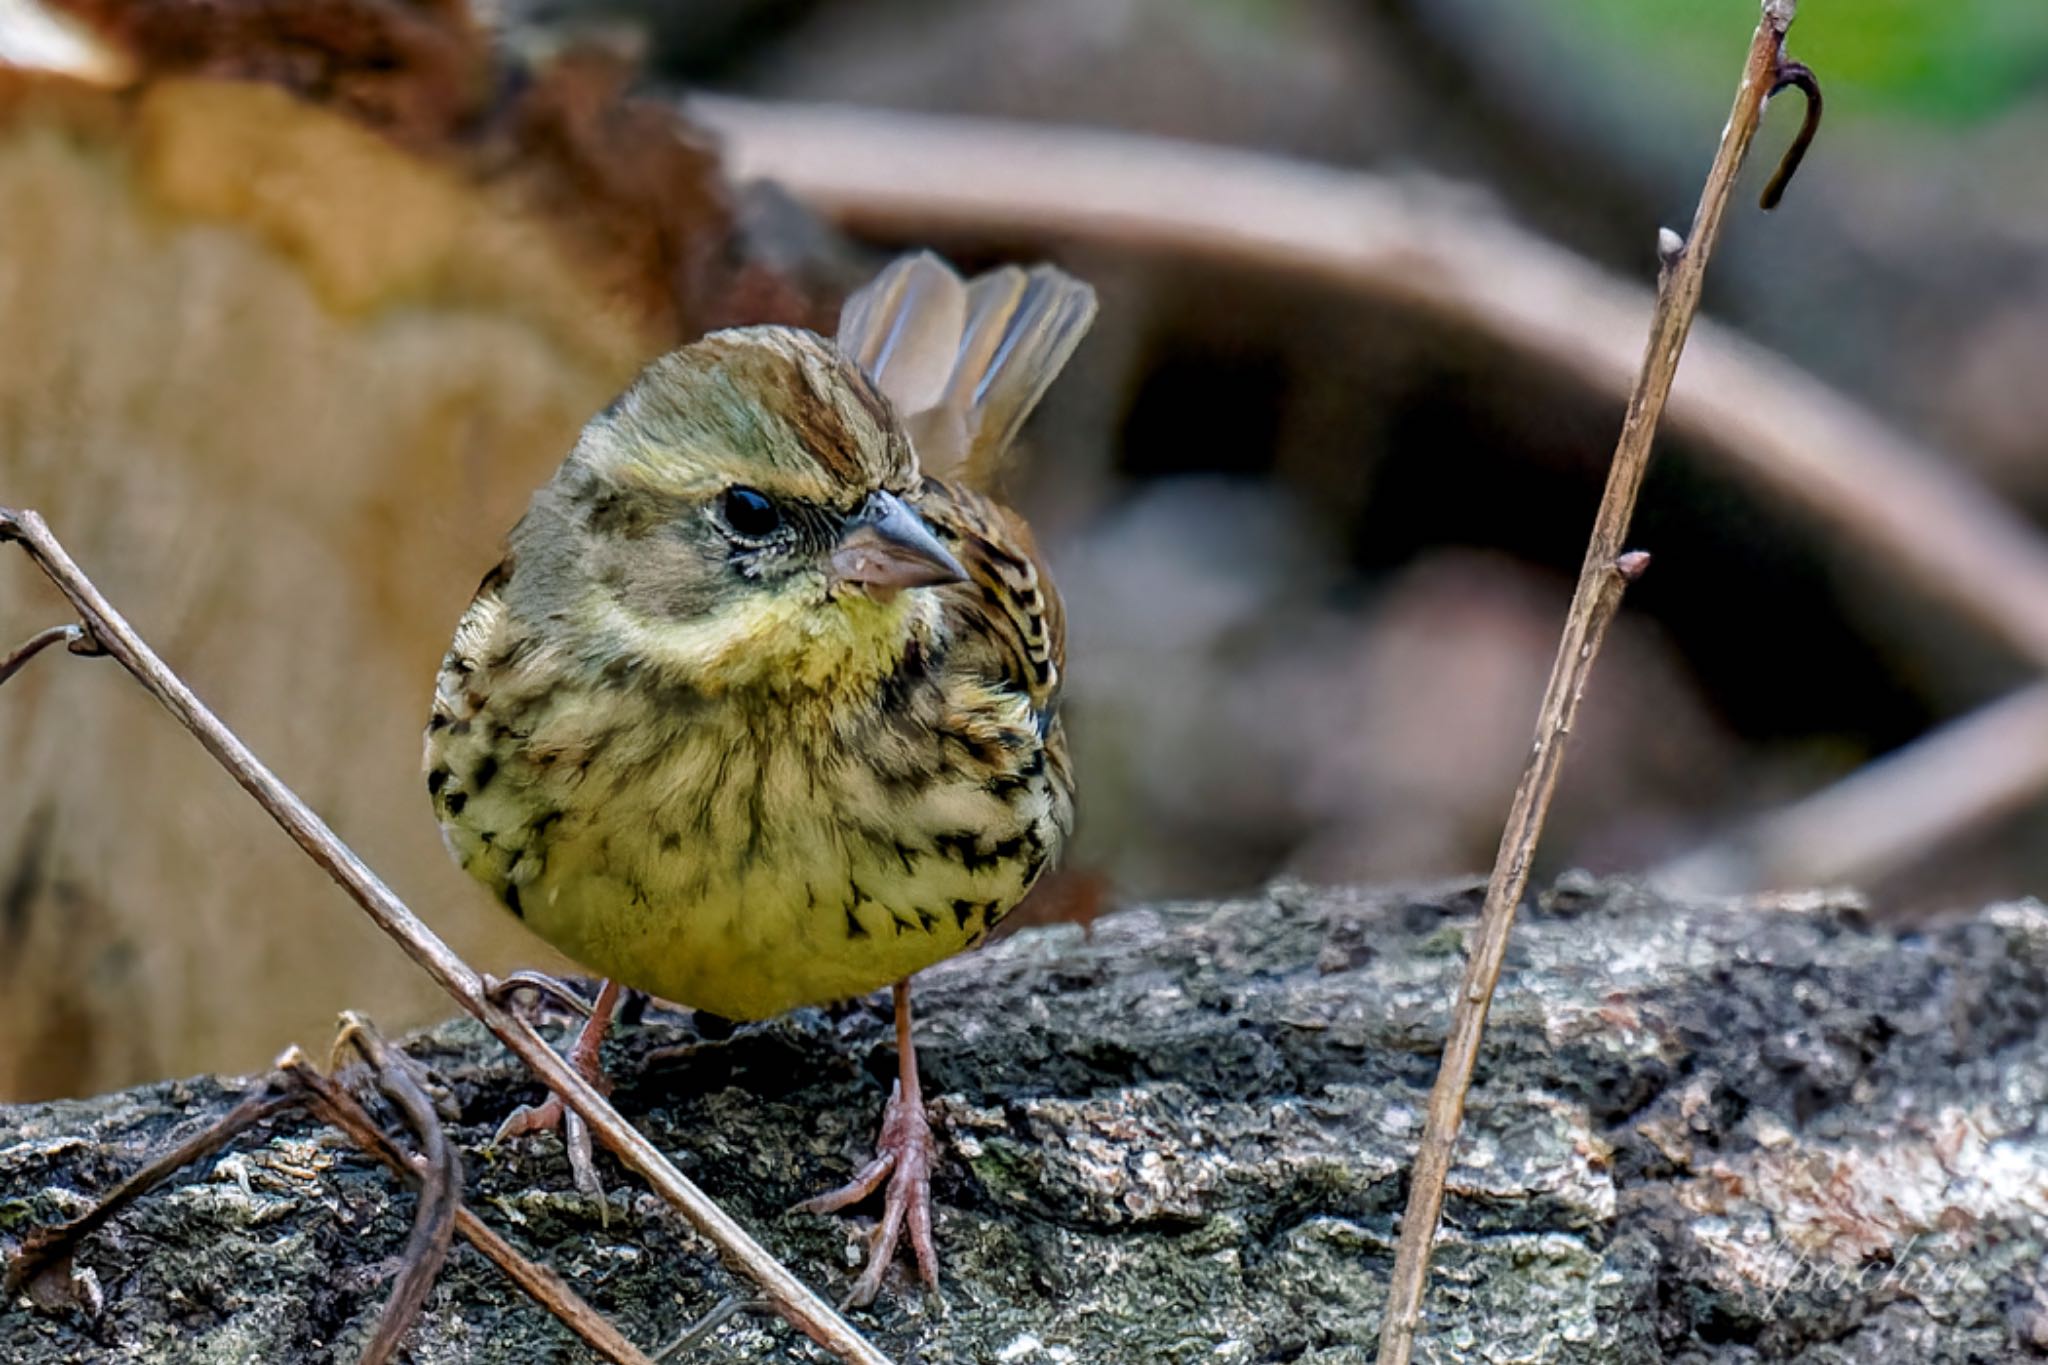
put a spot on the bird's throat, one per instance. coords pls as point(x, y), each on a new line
point(840, 650)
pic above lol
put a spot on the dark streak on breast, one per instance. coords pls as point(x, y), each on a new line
point(757, 815)
point(964, 847)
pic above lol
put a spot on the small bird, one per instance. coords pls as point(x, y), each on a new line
point(760, 708)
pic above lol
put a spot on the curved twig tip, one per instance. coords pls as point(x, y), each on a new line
point(1797, 76)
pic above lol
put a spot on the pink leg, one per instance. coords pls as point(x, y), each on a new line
point(903, 1154)
point(550, 1113)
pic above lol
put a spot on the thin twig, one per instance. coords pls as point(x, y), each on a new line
point(792, 1298)
point(1793, 76)
point(700, 1331)
point(334, 1105)
point(438, 1172)
point(73, 636)
point(294, 1082)
point(506, 989)
point(48, 1248)
point(1602, 579)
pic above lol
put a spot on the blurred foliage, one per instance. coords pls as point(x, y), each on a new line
point(1955, 62)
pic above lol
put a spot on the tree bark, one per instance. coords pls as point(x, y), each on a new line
point(1701, 1132)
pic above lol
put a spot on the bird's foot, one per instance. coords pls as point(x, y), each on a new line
point(903, 1156)
point(552, 1114)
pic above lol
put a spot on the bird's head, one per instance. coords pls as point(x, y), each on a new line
point(744, 514)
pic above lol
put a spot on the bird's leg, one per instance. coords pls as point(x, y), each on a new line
point(551, 1113)
point(903, 1154)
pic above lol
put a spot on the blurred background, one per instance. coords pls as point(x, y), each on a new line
point(298, 304)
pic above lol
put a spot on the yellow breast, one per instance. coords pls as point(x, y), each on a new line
point(725, 859)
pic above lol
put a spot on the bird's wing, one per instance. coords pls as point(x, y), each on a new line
point(1008, 610)
point(964, 363)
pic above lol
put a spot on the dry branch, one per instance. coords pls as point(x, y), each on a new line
point(116, 637)
point(438, 1171)
point(1954, 779)
point(1598, 596)
point(913, 177)
point(42, 1264)
point(72, 637)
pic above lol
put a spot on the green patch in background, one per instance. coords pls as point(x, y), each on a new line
point(1954, 61)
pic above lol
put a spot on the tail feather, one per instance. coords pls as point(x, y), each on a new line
point(965, 364)
point(904, 329)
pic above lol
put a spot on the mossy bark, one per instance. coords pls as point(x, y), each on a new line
point(1741, 1132)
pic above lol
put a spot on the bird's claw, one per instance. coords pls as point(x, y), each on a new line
point(549, 1116)
point(552, 1114)
point(904, 1155)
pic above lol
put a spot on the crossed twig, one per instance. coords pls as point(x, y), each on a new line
point(42, 1267)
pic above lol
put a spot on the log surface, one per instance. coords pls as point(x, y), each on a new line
point(1763, 1131)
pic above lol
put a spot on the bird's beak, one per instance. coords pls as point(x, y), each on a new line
point(887, 547)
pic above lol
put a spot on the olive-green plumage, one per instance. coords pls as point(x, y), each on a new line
point(705, 731)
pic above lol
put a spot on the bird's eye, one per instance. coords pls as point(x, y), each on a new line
point(749, 512)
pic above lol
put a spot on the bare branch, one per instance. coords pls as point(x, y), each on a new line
point(72, 637)
point(438, 1173)
point(792, 1298)
point(1603, 577)
point(701, 1330)
point(1915, 511)
point(295, 1082)
point(1956, 778)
